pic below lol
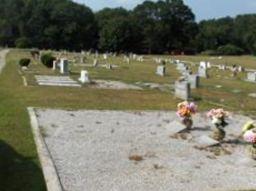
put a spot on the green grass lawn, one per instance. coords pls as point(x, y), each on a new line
point(20, 168)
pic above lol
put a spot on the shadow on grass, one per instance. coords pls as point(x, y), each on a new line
point(22, 172)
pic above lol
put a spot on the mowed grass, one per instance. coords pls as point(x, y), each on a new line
point(20, 168)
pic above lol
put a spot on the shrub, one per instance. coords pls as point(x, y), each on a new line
point(230, 49)
point(47, 59)
point(22, 42)
point(209, 53)
point(24, 62)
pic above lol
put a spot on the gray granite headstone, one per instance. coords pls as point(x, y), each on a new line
point(175, 127)
point(95, 63)
point(182, 90)
point(193, 80)
point(206, 141)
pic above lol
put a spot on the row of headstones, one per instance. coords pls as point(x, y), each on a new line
point(188, 81)
point(63, 65)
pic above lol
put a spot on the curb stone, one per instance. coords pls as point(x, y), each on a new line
point(50, 173)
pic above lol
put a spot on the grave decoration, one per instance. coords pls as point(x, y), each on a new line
point(249, 135)
point(185, 110)
point(218, 117)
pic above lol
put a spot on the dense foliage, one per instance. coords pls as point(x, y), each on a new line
point(47, 59)
point(24, 62)
point(152, 27)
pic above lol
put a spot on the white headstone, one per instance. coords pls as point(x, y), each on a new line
point(208, 65)
point(54, 66)
point(222, 67)
point(64, 69)
point(251, 76)
point(181, 66)
point(160, 70)
point(84, 77)
point(202, 72)
point(203, 65)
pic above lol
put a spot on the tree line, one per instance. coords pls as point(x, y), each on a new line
point(166, 26)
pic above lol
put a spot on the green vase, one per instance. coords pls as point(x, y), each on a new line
point(218, 134)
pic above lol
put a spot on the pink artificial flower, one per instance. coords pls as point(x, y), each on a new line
point(250, 136)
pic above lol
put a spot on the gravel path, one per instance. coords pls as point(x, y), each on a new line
point(2, 58)
point(91, 151)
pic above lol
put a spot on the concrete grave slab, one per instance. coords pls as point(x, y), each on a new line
point(65, 81)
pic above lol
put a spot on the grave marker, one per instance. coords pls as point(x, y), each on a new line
point(160, 70)
point(251, 76)
point(202, 72)
point(84, 77)
point(193, 80)
point(64, 69)
point(182, 90)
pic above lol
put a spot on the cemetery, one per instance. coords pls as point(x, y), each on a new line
point(94, 121)
point(149, 97)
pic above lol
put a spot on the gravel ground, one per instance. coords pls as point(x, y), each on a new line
point(133, 151)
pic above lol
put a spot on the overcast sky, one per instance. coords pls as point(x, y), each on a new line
point(203, 9)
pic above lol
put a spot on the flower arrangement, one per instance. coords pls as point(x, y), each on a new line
point(249, 135)
point(218, 118)
point(185, 110)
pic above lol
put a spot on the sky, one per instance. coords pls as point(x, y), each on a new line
point(203, 9)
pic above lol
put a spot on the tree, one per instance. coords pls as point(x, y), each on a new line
point(165, 25)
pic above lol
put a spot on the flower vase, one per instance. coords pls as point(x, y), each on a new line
point(218, 134)
point(252, 151)
point(188, 122)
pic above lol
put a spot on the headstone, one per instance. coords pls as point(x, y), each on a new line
point(105, 56)
point(208, 65)
point(64, 69)
point(193, 80)
point(160, 70)
point(205, 141)
point(175, 127)
point(203, 65)
point(127, 59)
point(81, 59)
point(240, 69)
point(54, 66)
point(251, 76)
point(95, 63)
point(176, 61)
point(109, 66)
point(182, 90)
point(181, 66)
point(202, 72)
point(84, 77)
point(222, 67)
